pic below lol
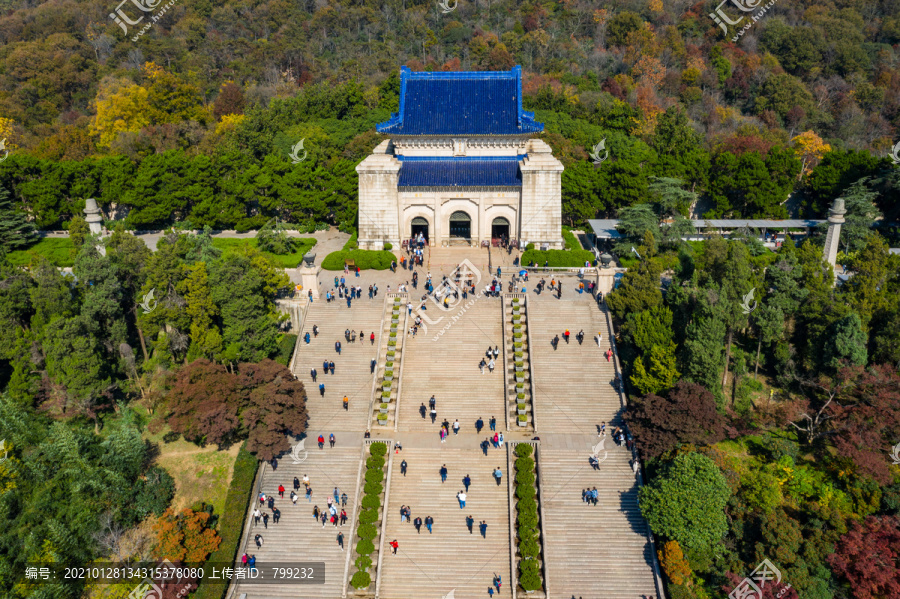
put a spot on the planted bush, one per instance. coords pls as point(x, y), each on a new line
point(367, 531)
point(519, 354)
point(375, 476)
point(375, 461)
point(378, 449)
point(373, 488)
point(386, 394)
point(364, 562)
point(530, 575)
point(520, 396)
point(361, 580)
point(520, 406)
point(526, 520)
point(371, 502)
point(524, 450)
point(529, 548)
point(523, 477)
point(368, 516)
point(525, 463)
point(517, 335)
point(523, 418)
point(365, 547)
point(527, 504)
point(391, 353)
point(523, 491)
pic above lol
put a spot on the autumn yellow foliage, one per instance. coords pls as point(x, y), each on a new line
point(121, 106)
point(671, 558)
point(810, 148)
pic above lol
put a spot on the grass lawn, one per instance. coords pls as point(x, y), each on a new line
point(572, 242)
point(200, 473)
point(58, 250)
point(304, 244)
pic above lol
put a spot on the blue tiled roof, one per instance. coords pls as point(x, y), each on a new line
point(493, 171)
point(469, 103)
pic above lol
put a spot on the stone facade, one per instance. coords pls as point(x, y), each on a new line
point(529, 200)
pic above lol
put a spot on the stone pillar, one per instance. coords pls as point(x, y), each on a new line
point(379, 201)
point(835, 220)
point(540, 212)
point(92, 216)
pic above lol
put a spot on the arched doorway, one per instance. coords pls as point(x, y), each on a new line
point(500, 228)
point(460, 225)
point(419, 226)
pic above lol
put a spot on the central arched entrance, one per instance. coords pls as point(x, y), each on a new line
point(460, 225)
point(500, 228)
point(419, 226)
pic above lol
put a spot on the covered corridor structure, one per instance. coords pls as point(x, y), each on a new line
point(606, 229)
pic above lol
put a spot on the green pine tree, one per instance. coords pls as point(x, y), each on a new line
point(15, 230)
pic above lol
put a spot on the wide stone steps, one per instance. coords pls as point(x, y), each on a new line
point(297, 538)
point(573, 389)
point(431, 565)
point(448, 369)
point(352, 376)
point(574, 393)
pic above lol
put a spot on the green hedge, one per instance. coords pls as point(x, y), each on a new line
point(351, 243)
point(368, 516)
point(572, 242)
point(524, 477)
point(523, 491)
point(374, 476)
point(285, 348)
point(529, 548)
point(376, 462)
point(365, 547)
point(373, 488)
point(378, 449)
point(556, 258)
point(363, 562)
point(231, 523)
point(524, 450)
point(367, 531)
point(361, 580)
point(524, 463)
point(529, 575)
point(364, 259)
point(371, 502)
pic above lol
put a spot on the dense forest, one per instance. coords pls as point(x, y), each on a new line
point(767, 430)
point(193, 122)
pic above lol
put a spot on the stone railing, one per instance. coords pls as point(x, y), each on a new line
point(524, 375)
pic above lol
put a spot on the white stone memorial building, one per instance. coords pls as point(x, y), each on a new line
point(463, 165)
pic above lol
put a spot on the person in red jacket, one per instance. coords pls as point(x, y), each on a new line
point(394, 545)
point(281, 491)
point(321, 441)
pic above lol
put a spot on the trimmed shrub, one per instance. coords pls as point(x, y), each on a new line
point(285, 348)
point(520, 396)
point(365, 547)
point(386, 394)
point(518, 354)
point(371, 502)
point(373, 488)
point(368, 516)
point(520, 406)
point(231, 522)
point(526, 520)
point(528, 247)
point(376, 475)
point(529, 548)
point(378, 449)
point(393, 335)
point(523, 418)
point(363, 562)
point(364, 259)
point(527, 504)
point(523, 491)
point(391, 353)
point(556, 258)
point(367, 531)
point(389, 365)
point(530, 579)
point(517, 335)
point(525, 463)
point(524, 450)
point(522, 478)
point(388, 245)
point(375, 461)
point(361, 580)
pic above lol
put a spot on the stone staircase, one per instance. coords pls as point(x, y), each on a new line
point(431, 565)
point(352, 376)
point(298, 540)
point(448, 369)
point(574, 393)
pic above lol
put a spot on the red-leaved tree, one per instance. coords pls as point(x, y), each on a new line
point(687, 414)
point(868, 557)
point(262, 403)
